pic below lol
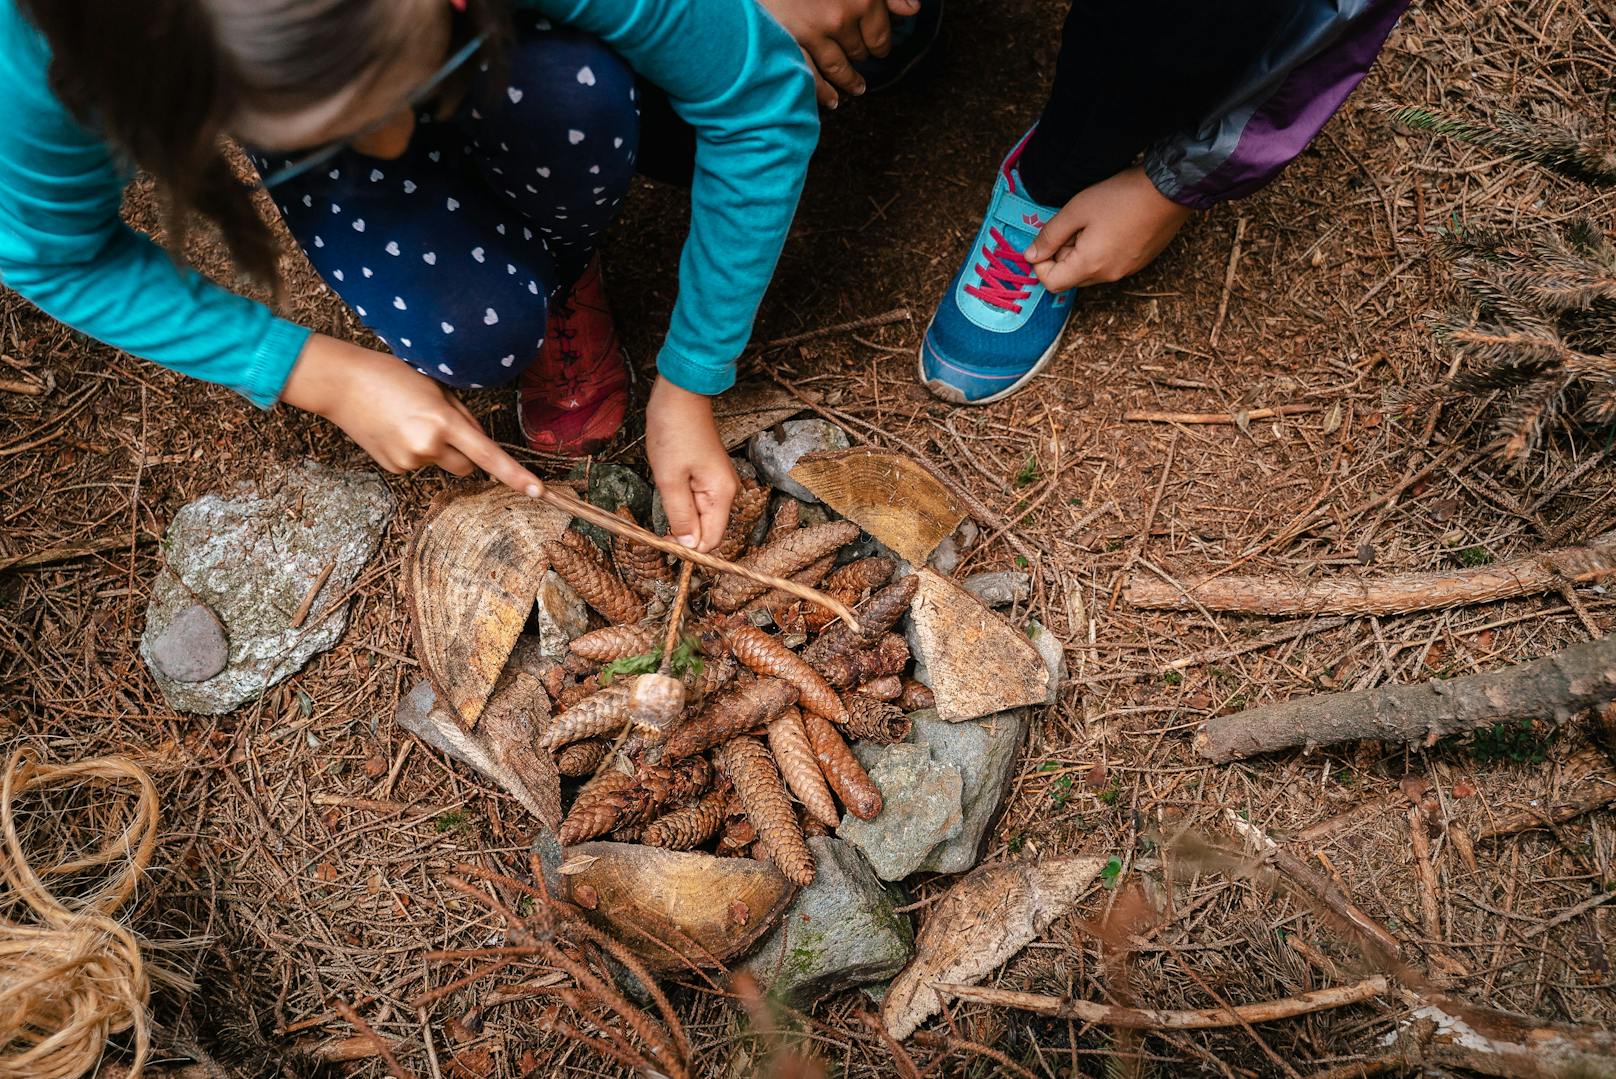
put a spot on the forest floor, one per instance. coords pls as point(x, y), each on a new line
point(1318, 291)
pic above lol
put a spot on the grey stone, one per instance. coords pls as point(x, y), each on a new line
point(841, 931)
point(985, 752)
point(946, 558)
point(1000, 588)
point(777, 450)
point(561, 614)
point(252, 558)
point(1053, 653)
point(921, 808)
point(611, 486)
point(193, 647)
point(921, 673)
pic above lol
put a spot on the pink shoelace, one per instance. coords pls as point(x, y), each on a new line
point(1005, 277)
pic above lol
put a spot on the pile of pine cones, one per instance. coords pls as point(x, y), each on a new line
point(759, 758)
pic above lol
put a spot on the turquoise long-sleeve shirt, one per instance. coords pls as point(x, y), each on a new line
point(728, 68)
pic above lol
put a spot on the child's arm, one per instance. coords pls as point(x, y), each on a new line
point(735, 76)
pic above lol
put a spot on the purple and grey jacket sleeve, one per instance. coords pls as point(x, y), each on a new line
point(1315, 61)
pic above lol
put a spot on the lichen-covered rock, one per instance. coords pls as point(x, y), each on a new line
point(985, 752)
point(610, 486)
point(921, 808)
point(252, 558)
point(561, 614)
point(999, 588)
point(840, 932)
point(777, 450)
point(1052, 652)
point(193, 647)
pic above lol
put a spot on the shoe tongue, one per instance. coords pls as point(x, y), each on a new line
point(1014, 211)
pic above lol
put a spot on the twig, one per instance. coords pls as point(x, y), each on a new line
point(1228, 282)
point(303, 608)
point(48, 555)
point(1087, 1011)
point(675, 616)
point(27, 389)
point(897, 314)
point(394, 1068)
point(1144, 416)
point(1280, 636)
point(1569, 913)
point(1420, 843)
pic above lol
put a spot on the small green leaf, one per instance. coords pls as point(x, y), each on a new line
point(1021, 561)
point(1049, 766)
point(305, 703)
point(1172, 678)
point(1028, 473)
point(641, 664)
point(1112, 873)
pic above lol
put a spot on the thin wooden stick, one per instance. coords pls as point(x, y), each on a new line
point(676, 616)
point(1086, 1011)
point(394, 1068)
point(1142, 416)
point(614, 524)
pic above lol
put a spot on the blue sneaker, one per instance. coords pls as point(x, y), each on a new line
point(997, 325)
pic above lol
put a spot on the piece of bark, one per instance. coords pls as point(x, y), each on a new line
point(615, 642)
point(644, 569)
point(1548, 571)
point(1552, 689)
point(842, 770)
point(742, 709)
point(517, 710)
point(744, 513)
point(876, 616)
point(423, 715)
point(1085, 1011)
point(890, 495)
point(798, 767)
point(978, 663)
point(983, 920)
point(766, 656)
point(596, 582)
point(1442, 1033)
point(581, 758)
point(780, 559)
point(690, 826)
point(889, 656)
point(871, 720)
point(471, 573)
point(758, 785)
point(604, 712)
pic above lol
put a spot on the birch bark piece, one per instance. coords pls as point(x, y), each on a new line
point(978, 663)
point(669, 906)
point(989, 916)
point(471, 574)
point(894, 498)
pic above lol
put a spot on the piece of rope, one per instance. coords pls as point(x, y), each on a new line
point(71, 974)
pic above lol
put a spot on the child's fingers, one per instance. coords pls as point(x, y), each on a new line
point(875, 27)
point(684, 522)
point(823, 91)
point(1070, 268)
point(1057, 232)
point(837, 69)
point(904, 7)
point(471, 445)
point(452, 460)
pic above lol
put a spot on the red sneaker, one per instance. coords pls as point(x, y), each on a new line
point(572, 400)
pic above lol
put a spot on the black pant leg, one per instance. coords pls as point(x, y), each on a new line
point(1133, 71)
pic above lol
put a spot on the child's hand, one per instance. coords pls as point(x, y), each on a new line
point(397, 415)
point(834, 33)
point(1108, 231)
point(689, 464)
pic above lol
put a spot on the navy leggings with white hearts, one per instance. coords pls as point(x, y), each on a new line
point(453, 252)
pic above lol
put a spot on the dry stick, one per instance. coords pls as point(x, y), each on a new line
point(614, 524)
point(48, 555)
point(1228, 282)
point(1396, 593)
point(1289, 633)
point(303, 608)
point(675, 616)
point(1145, 416)
point(1139, 542)
point(394, 1068)
point(1086, 1011)
point(1551, 688)
point(897, 314)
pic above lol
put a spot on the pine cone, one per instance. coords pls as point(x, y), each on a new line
point(795, 756)
point(889, 656)
point(784, 556)
point(871, 720)
point(816, 618)
point(690, 827)
point(681, 781)
point(889, 687)
point(615, 642)
point(643, 568)
point(739, 834)
point(597, 809)
point(579, 542)
point(555, 682)
point(715, 675)
point(876, 615)
point(861, 575)
point(734, 713)
point(846, 775)
point(744, 514)
point(787, 519)
point(575, 693)
point(757, 782)
point(916, 697)
point(581, 758)
point(766, 656)
point(600, 713)
point(596, 583)
point(776, 602)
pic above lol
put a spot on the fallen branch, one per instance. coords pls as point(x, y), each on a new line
point(1551, 688)
point(1445, 1033)
point(1396, 593)
point(1142, 416)
point(1086, 1011)
point(1585, 784)
point(49, 555)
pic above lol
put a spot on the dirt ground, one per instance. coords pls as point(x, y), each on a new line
point(1323, 301)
